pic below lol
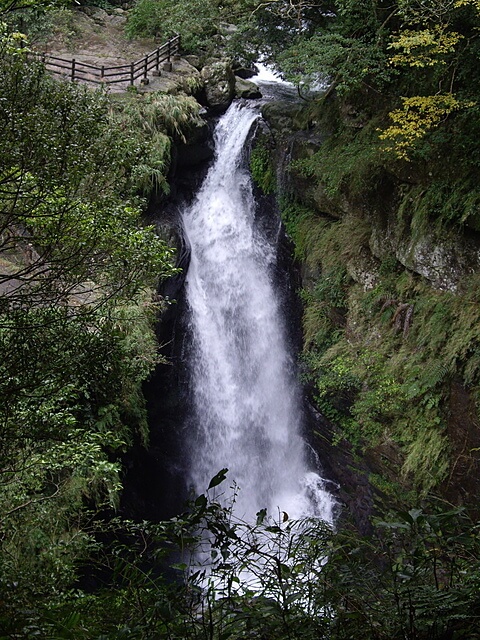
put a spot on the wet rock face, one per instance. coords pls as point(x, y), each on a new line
point(219, 82)
point(443, 260)
point(245, 72)
point(443, 264)
point(348, 475)
point(284, 116)
point(198, 148)
point(154, 476)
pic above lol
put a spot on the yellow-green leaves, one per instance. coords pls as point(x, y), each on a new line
point(417, 117)
point(11, 43)
point(424, 48)
point(465, 3)
point(431, 37)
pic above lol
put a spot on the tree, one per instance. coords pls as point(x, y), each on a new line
point(69, 219)
point(195, 20)
point(77, 271)
point(439, 36)
point(385, 49)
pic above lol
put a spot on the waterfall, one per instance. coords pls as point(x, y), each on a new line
point(246, 410)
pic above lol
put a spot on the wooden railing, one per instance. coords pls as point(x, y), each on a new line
point(79, 71)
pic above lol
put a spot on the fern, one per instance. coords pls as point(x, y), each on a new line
point(316, 325)
point(427, 377)
point(471, 372)
point(160, 112)
point(427, 459)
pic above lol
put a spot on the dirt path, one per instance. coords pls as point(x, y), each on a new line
point(93, 36)
point(97, 38)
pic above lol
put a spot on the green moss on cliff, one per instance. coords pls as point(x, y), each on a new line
point(262, 168)
point(383, 358)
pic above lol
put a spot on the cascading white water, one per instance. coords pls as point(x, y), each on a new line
point(246, 413)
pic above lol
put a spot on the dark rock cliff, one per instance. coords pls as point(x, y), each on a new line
point(395, 264)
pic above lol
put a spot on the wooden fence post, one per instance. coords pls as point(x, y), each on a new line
point(171, 47)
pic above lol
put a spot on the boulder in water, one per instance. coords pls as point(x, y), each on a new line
point(245, 72)
point(246, 89)
point(219, 85)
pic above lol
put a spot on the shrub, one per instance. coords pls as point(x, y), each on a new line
point(195, 20)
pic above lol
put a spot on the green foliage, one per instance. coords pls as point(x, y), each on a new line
point(377, 52)
point(12, 43)
point(383, 360)
point(416, 576)
point(7, 7)
point(325, 308)
point(321, 242)
point(36, 23)
point(387, 375)
point(262, 169)
point(449, 196)
point(347, 61)
point(420, 340)
point(350, 161)
point(72, 402)
point(157, 112)
point(432, 35)
point(77, 269)
point(304, 227)
point(196, 21)
point(356, 390)
point(69, 214)
point(152, 122)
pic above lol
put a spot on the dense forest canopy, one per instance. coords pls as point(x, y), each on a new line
point(78, 272)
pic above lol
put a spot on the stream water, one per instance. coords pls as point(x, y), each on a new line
point(246, 401)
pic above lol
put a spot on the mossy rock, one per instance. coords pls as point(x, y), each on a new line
point(219, 85)
point(285, 116)
point(246, 89)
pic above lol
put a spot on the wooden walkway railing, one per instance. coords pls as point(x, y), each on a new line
point(79, 71)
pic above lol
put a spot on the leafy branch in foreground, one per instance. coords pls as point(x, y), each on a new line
point(205, 574)
point(77, 271)
point(416, 577)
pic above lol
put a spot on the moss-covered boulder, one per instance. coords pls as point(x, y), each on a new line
point(219, 82)
point(285, 116)
point(246, 89)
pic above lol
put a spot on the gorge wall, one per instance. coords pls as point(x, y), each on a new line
point(390, 302)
